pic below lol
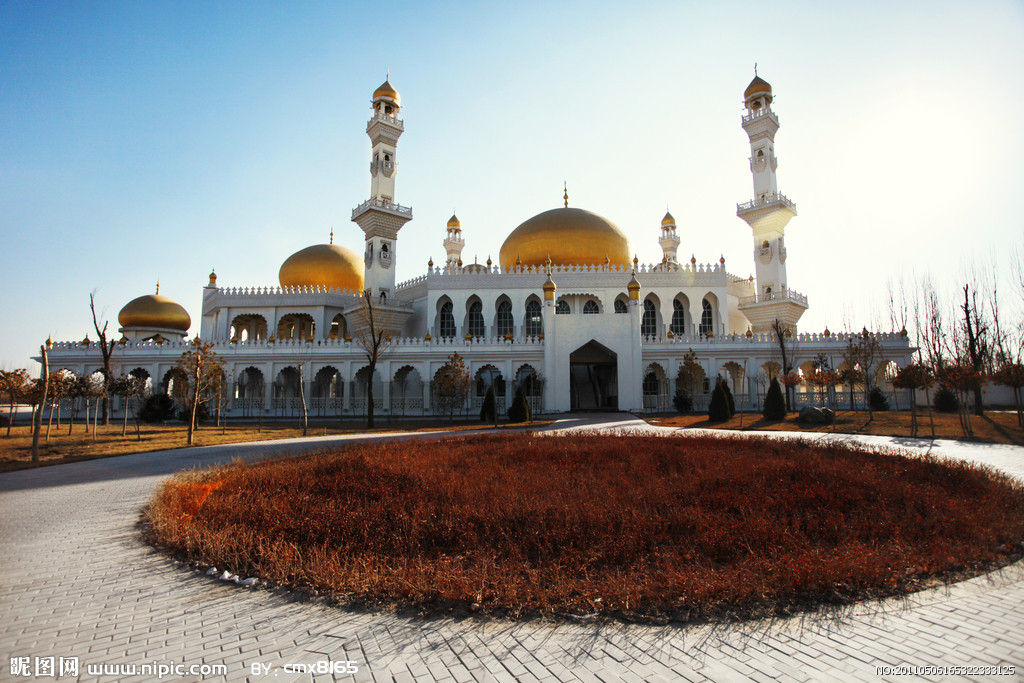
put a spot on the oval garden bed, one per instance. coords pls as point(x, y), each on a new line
point(647, 528)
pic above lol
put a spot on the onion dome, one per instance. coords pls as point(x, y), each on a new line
point(213, 277)
point(154, 312)
point(387, 91)
point(453, 222)
point(757, 86)
point(634, 288)
point(323, 265)
point(668, 220)
point(549, 289)
point(569, 236)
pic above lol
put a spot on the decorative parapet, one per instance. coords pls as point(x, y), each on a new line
point(766, 112)
point(787, 295)
point(281, 291)
point(768, 201)
point(381, 117)
point(835, 339)
point(384, 204)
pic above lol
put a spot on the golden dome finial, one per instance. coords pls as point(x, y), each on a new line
point(213, 276)
point(49, 341)
point(332, 235)
point(565, 196)
point(157, 286)
point(430, 263)
point(489, 261)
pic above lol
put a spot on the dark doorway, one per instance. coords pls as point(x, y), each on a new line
point(593, 378)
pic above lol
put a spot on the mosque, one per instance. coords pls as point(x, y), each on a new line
point(566, 313)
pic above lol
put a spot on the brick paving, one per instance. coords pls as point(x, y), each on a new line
point(76, 581)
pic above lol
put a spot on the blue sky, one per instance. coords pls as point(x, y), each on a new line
point(146, 141)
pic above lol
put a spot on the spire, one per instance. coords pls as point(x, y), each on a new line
point(332, 235)
point(565, 196)
point(157, 286)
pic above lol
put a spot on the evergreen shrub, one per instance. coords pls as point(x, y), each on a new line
point(487, 410)
point(945, 400)
point(774, 402)
point(520, 409)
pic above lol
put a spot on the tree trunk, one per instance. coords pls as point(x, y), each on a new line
point(124, 425)
point(49, 422)
point(74, 410)
point(979, 408)
point(302, 400)
point(10, 415)
point(369, 394)
point(37, 419)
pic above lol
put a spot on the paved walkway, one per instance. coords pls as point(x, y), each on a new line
point(76, 581)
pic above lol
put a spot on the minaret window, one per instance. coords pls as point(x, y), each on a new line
point(562, 308)
point(649, 321)
point(505, 320)
point(446, 322)
point(706, 319)
point(591, 307)
point(620, 306)
point(476, 319)
point(678, 317)
point(534, 322)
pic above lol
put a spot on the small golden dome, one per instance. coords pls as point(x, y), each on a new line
point(758, 85)
point(453, 222)
point(213, 277)
point(750, 333)
point(634, 288)
point(154, 311)
point(693, 260)
point(828, 332)
point(430, 263)
point(549, 289)
point(387, 90)
point(323, 265)
point(667, 220)
point(568, 236)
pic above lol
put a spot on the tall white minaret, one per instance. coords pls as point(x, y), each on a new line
point(669, 240)
point(767, 215)
point(380, 216)
point(454, 242)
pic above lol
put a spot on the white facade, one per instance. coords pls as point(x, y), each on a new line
point(591, 344)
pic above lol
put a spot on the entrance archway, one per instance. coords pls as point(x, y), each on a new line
point(593, 378)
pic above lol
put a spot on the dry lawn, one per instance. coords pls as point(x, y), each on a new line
point(995, 427)
point(16, 451)
point(643, 528)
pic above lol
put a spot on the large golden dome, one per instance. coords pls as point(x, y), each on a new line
point(323, 265)
point(154, 312)
point(569, 236)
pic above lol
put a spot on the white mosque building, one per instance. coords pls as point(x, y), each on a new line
point(567, 313)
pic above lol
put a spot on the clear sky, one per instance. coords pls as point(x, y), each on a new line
point(146, 141)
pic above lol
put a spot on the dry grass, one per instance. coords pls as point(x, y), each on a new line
point(634, 527)
point(995, 427)
point(16, 451)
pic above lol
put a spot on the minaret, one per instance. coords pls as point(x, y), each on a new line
point(669, 240)
point(767, 215)
point(379, 216)
point(453, 242)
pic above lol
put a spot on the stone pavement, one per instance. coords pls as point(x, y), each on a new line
point(76, 581)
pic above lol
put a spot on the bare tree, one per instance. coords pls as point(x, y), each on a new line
point(12, 384)
point(372, 333)
point(451, 384)
point(106, 350)
point(785, 354)
point(976, 330)
point(201, 370)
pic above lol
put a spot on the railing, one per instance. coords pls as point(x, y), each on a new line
point(772, 199)
point(785, 295)
point(409, 404)
point(247, 406)
point(759, 114)
point(499, 403)
point(386, 118)
point(373, 202)
point(326, 406)
point(359, 405)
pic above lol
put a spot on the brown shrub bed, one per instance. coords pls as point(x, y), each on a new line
point(634, 527)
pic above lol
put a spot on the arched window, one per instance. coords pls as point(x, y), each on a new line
point(706, 319)
point(446, 324)
point(476, 319)
point(562, 308)
point(678, 317)
point(649, 322)
point(505, 321)
point(534, 322)
point(620, 306)
point(651, 384)
point(590, 308)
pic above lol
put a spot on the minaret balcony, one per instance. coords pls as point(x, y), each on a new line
point(768, 201)
point(382, 205)
point(774, 297)
point(381, 117)
point(761, 114)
